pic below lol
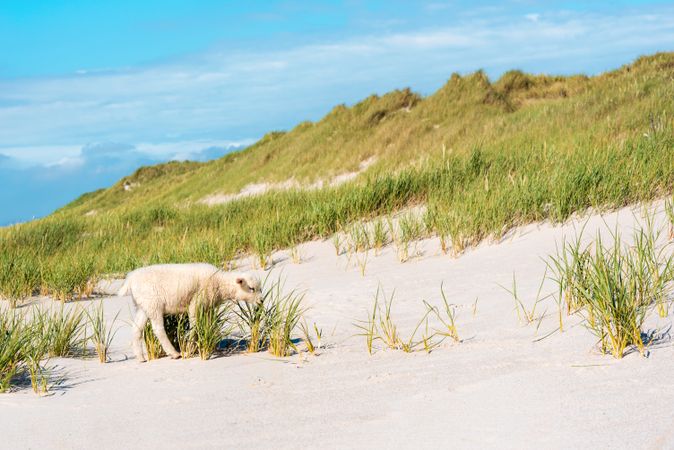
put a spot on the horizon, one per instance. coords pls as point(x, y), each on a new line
point(194, 82)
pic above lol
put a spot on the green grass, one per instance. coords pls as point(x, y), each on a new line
point(183, 337)
point(669, 211)
point(252, 324)
point(24, 348)
point(64, 331)
point(482, 157)
point(379, 325)
point(359, 237)
point(13, 343)
point(210, 328)
point(380, 235)
point(272, 323)
point(100, 332)
point(34, 353)
point(368, 327)
point(177, 328)
point(526, 315)
point(307, 339)
point(283, 318)
point(446, 317)
point(410, 230)
point(615, 285)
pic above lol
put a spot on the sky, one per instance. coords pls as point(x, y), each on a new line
point(90, 91)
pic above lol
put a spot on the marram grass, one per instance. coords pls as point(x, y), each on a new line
point(615, 285)
point(482, 157)
point(380, 326)
point(272, 323)
point(100, 331)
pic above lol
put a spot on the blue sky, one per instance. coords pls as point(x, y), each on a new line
point(91, 90)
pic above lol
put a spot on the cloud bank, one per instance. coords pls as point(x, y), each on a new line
point(29, 191)
point(105, 123)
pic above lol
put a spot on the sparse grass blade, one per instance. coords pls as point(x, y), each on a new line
point(306, 337)
point(380, 237)
point(669, 212)
point(388, 331)
point(283, 318)
point(251, 321)
point(368, 326)
point(64, 331)
point(210, 328)
point(101, 334)
point(447, 317)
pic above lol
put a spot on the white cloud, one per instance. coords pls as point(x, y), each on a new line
point(72, 156)
point(438, 6)
point(219, 97)
point(181, 151)
point(431, 40)
point(65, 163)
point(30, 155)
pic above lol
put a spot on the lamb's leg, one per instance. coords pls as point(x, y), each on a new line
point(192, 314)
point(138, 325)
point(160, 332)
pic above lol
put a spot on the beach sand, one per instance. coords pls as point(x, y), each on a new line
point(501, 387)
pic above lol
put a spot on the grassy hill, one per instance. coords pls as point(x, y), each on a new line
point(482, 156)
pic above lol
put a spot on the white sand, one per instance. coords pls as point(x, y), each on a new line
point(255, 189)
point(497, 389)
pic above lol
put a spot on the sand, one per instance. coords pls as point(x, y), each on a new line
point(254, 189)
point(501, 387)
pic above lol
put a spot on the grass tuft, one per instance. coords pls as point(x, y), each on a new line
point(101, 335)
point(211, 327)
point(13, 343)
point(446, 316)
point(526, 315)
point(271, 324)
point(64, 332)
point(615, 285)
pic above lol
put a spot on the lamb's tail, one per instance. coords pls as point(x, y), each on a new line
point(125, 289)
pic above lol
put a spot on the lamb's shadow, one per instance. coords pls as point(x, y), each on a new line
point(231, 346)
point(237, 346)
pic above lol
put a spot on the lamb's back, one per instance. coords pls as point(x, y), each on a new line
point(169, 281)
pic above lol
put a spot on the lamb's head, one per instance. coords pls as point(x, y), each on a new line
point(248, 288)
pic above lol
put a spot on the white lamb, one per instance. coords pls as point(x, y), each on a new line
point(172, 288)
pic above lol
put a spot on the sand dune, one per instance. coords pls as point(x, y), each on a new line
point(502, 387)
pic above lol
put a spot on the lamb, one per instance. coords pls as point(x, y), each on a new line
point(172, 289)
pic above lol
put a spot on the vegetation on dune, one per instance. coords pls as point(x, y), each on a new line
point(379, 325)
point(483, 157)
point(272, 323)
point(616, 284)
point(29, 338)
